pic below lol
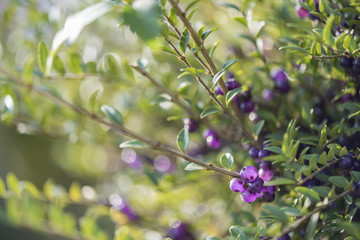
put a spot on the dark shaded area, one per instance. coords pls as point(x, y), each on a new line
point(11, 233)
point(29, 158)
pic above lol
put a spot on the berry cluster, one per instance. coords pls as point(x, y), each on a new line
point(266, 172)
point(251, 186)
point(242, 99)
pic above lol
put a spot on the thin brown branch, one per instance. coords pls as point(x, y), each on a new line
point(297, 223)
point(120, 129)
point(199, 43)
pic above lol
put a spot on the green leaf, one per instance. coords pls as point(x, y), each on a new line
point(2, 188)
point(339, 181)
point(311, 227)
point(258, 127)
point(143, 21)
point(42, 54)
point(229, 5)
point(217, 77)
point(242, 20)
point(59, 66)
point(343, 152)
point(231, 94)
point(133, 144)
point(112, 114)
point(208, 111)
point(13, 183)
point(207, 33)
point(290, 211)
point(191, 14)
point(182, 139)
point(74, 24)
point(236, 233)
point(212, 238)
point(227, 160)
point(296, 49)
point(32, 189)
point(307, 192)
point(184, 40)
point(193, 167)
point(92, 98)
point(347, 41)
point(75, 63)
point(229, 64)
point(322, 190)
point(355, 175)
point(279, 181)
point(213, 48)
point(327, 37)
point(323, 138)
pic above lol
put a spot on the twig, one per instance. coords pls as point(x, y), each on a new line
point(316, 172)
point(297, 223)
point(120, 129)
point(199, 43)
point(176, 100)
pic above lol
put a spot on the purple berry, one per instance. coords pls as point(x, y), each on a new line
point(284, 237)
point(180, 231)
point(301, 12)
point(237, 185)
point(230, 76)
point(267, 197)
point(213, 142)
point(209, 133)
point(356, 192)
point(218, 90)
point(244, 96)
point(278, 75)
point(268, 94)
point(264, 153)
point(269, 189)
point(356, 166)
point(265, 165)
point(249, 173)
point(190, 124)
point(118, 203)
point(232, 84)
point(248, 196)
point(282, 86)
point(266, 175)
point(346, 162)
point(247, 107)
point(346, 62)
point(254, 152)
point(256, 186)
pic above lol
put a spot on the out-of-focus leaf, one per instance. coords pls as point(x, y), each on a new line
point(112, 114)
point(133, 144)
point(208, 111)
point(182, 139)
point(227, 160)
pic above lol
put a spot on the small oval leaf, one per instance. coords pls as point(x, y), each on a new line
point(182, 139)
point(112, 114)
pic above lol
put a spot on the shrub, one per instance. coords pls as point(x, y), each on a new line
point(234, 120)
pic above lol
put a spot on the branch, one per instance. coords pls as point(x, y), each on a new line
point(120, 129)
point(297, 223)
point(199, 43)
point(176, 100)
point(316, 172)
